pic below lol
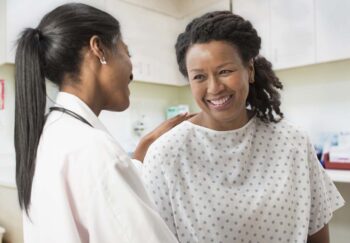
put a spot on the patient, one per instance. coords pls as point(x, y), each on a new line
point(236, 172)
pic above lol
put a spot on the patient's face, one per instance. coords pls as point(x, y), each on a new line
point(220, 83)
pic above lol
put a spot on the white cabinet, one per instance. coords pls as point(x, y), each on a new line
point(150, 35)
point(332, 29)
point(285, 27)
point(21, 14)
point(151, 38)
point(299, 32)
point(292, 33)
point(258, 13)
point(2, 31)
point(197, 11)
point(149, 32)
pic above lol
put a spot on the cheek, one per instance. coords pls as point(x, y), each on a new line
point(240, 84)
point(197, 91)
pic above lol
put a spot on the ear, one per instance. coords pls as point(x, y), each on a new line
point(251, 71)
point(97, 48)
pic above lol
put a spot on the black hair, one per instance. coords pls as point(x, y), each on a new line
point(52, 50)
point(263, 97)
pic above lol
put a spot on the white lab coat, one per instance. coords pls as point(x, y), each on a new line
point(86, 188)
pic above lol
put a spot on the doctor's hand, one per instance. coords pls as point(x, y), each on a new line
point(149, 138)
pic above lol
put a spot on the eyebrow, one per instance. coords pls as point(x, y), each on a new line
point(224, 64)
point(220, 66)
point(196, 70)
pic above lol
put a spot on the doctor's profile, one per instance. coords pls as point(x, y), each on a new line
point(236, 171)
point(75, 183)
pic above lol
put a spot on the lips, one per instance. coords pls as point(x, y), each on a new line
point(221, 102)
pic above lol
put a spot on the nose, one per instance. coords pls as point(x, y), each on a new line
point(215, 86)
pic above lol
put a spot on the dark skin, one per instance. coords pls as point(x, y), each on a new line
point(105, 86)
point(322, 236)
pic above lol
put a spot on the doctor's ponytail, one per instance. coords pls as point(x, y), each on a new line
point(29, 109)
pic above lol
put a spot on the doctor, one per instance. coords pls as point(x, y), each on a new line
point(75, 183)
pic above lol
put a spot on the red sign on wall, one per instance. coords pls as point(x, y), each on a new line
point(2, 94)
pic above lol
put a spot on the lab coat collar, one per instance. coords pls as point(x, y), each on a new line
point(75, 104)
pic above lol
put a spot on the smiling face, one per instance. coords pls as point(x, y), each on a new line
point(220, 84)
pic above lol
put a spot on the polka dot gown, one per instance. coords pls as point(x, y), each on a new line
point(259, 183)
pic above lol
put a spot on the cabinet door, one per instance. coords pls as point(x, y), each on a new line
point(332, 29)
point(194, 9)
point(150, 37)
point(2, 31)
point(292, 33)
point(258, 13)
point(21, 14)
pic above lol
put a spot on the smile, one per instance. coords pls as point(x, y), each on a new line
point(220, 103)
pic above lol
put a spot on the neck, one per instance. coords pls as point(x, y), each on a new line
point(89, 96)
point(205, 120)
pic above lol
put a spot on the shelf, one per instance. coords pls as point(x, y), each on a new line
point(339, 175)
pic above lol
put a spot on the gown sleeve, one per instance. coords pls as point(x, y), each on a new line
point(325, 198)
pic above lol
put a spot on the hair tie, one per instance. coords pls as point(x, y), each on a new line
point(38, 34)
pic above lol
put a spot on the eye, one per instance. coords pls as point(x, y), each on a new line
point(225, 72)
point(198, 77)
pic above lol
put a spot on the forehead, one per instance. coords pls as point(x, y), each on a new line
point(214, 51)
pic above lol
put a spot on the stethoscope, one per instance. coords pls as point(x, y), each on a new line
point(70, 113)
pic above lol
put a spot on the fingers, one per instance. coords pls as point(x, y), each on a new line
point(191, 115)
point(177, 119)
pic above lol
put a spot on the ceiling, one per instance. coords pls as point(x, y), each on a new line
point(174, 8)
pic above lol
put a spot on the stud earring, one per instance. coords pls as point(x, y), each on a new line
point(103, 61)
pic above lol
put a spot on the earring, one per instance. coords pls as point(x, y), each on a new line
point(103, 61)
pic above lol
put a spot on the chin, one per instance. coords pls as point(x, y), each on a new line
point(124, 107)
point(119, 106)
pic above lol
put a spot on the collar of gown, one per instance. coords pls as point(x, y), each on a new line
point(75, 104)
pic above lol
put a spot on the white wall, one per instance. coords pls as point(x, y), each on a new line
point(7, 158)
point(317, 97)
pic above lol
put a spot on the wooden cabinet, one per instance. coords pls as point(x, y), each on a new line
point(300, 32)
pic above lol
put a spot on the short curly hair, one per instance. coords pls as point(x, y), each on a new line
point(263, 97)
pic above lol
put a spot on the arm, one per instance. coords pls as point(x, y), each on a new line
point(321, 236)
point(148, 139)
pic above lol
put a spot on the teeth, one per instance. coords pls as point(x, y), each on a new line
point(220, 101)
